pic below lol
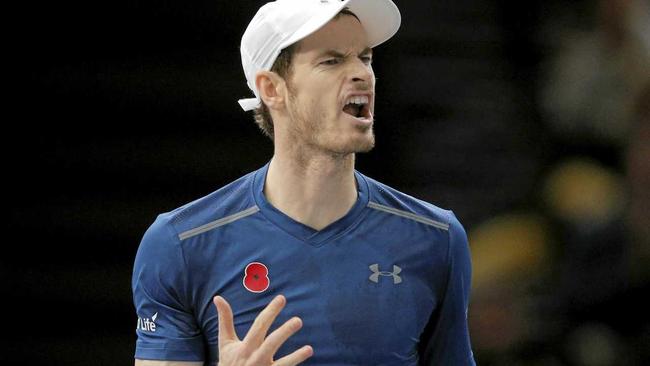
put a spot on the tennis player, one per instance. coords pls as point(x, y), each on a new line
point(307, 260)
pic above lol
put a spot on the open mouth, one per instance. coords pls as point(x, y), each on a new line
point(357, 106)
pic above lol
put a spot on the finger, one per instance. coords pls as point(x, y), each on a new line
point(277, 338)
point(226, 326)
point(262, 323)
point(296, 357)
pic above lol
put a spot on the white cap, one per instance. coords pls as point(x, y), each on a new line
point(281, 23)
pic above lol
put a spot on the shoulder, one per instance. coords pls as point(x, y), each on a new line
point(161, 250)
point(390, 200)
point(230, 200)
point(164, 236)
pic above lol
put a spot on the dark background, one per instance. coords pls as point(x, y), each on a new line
point(125, 109)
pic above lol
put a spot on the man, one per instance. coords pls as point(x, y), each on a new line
point(369, 275)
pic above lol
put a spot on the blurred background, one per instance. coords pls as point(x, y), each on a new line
point(531, 120)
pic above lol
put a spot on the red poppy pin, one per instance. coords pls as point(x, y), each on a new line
point(256, 277)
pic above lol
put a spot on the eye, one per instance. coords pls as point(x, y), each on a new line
point(366, 59)
point(330, 61)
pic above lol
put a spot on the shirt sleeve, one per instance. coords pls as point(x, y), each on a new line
point(446, 338)
point(166, 328)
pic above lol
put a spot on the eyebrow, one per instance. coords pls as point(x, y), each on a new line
point(334, 53)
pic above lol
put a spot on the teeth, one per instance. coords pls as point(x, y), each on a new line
point(358, 99)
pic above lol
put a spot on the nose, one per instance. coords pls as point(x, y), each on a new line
point(362, 72)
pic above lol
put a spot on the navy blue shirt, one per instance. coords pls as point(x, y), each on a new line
point(387, 284)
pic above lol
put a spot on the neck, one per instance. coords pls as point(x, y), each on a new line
point(313, 189)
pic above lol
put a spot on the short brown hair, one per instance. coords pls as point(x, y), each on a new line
point(282, 67)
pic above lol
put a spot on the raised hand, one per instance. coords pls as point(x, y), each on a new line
point(257, 349)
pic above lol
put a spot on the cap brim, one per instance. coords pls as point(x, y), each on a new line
point(315, 23)
point(380, 18)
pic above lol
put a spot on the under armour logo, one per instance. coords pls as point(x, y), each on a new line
point(374, 277)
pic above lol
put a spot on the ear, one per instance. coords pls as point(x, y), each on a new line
point(271, 88)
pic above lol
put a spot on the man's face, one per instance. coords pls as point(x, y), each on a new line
point(332, 89)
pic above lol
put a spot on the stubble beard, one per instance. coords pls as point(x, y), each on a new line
point(308, 133)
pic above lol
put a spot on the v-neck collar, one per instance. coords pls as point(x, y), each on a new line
point(299, 230)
